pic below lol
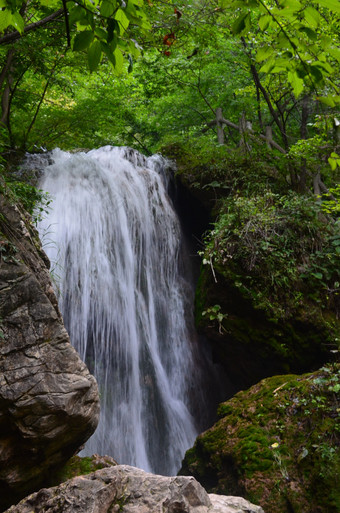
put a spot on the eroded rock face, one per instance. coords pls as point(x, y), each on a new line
point(49, 404)
point(127, 489)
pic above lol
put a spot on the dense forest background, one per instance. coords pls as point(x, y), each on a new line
point(244, 96)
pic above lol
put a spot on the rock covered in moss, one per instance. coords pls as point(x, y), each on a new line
point(49, 403)
point(127, 489)
point(79, 466)
point(277, 444)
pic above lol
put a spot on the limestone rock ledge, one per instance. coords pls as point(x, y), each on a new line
point(49, 403)
point(127, 489)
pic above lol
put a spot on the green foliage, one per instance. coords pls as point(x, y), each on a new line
point(100, 28)
point(273, 247)
point(35, 201)
point(213, 313)
point(332, 205)
point(294, 38)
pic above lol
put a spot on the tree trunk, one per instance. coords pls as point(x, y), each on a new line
point(219, 124)
point(6, 80)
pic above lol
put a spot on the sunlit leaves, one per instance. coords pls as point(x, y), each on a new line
point(312, 16)
point(296, 82)
point(334, 161)
point(122, 19)
point(5, 19)
point(333, 5)
point(291, 37)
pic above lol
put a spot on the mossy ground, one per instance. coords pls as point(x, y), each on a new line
point(278, 443)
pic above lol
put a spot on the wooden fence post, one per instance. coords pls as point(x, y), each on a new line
point(219, 124)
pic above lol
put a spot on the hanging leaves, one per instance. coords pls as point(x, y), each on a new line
point(100, 26)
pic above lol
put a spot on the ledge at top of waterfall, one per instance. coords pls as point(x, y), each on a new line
point(116, 246)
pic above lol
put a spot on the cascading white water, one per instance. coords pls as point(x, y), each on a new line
point(117, 252)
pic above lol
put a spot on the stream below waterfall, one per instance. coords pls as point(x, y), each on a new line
point(125, 290)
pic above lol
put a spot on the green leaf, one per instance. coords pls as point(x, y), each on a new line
point(50, 3)
point(83, 40)
point(107, 8)
point(240, 24)
point(112, 26)
point(5, 19)
point(293, 5)
point(312, 16)
point(265, 21)
point(324, 65)
point(327, 100)
point(263, 53)
point(296, 82)
point(108, 52)
point(119, 61)
point(100, 33)
point(333, 5)
point(120, 16)
point(18, 22)
point(76, 14)
point(94, 55)
point(268, 66)
point(332, 162)
point(335, 53)
point(316, 73)
point(310, 33)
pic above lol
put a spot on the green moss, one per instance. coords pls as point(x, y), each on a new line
point(78, 466)
point(282, 438)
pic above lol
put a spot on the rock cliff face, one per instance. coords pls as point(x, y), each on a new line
point(130, 490)
point(49, 404)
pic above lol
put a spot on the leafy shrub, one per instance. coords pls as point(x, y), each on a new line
point(276, 248)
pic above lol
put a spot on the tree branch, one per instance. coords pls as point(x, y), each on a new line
point(13, 36)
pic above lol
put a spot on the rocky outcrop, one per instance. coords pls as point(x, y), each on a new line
point(277, 444)
point(49, 404)
point(130, 490)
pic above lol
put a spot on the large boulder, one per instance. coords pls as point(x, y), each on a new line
point(127, 489)
point(277, 444)
point(49, 403)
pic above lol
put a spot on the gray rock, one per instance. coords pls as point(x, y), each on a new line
point(127, 489)
point(49, 403)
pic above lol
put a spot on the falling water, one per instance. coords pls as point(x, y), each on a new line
point(117, 259)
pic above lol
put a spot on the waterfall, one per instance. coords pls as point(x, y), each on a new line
point(116, 247)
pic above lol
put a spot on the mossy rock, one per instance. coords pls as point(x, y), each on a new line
point(79, 466)
point(277, 443)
